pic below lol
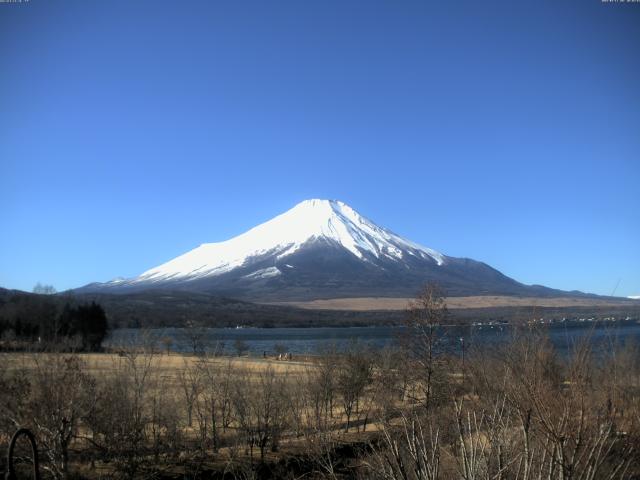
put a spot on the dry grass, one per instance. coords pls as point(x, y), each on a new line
point(474, 412)
point(380, 303)
point(163, 364)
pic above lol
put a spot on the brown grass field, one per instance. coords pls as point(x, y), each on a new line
point(168, 366)
point(360, 414)
point(453, 303)
point(165, 370)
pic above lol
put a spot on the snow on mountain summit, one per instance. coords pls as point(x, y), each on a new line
point(309, 221)
point(319, 249)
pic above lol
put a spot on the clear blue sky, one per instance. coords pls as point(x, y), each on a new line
point(504, 131)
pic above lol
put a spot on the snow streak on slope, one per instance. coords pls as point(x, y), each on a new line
point(311, 220)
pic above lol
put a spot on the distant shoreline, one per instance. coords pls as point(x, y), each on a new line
point(363, 304)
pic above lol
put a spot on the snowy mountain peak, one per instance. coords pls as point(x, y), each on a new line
point(306, 223)
point(319, 249)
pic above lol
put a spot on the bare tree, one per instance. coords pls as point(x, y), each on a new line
point(280, 349)
point(119, 424)
point(353, 377)
point(164, 432)
point(44, 289)
point(196, 336)
point(190, 382)
point(213, 406)
point(167, 342)
point(391, 379)
point(321, 447)
point(423, 339)
point(61, 397)
point(321, 387)
point(241, 347)
point(259, 407)
point(410, 451)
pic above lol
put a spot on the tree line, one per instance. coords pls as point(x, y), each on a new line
point(40, 319)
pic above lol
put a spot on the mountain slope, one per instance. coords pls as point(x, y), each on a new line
point(308, 222)
point(319, 249)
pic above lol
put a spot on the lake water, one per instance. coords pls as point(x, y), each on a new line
point(311, 340)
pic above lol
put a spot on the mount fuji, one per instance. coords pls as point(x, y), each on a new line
point(317, 250)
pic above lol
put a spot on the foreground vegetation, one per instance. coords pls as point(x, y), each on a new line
point(520, 412)
point(516, 411)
